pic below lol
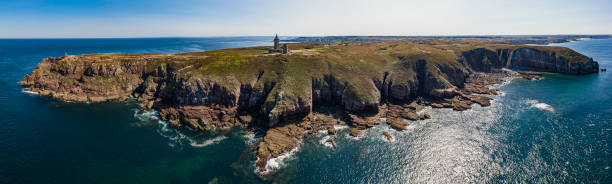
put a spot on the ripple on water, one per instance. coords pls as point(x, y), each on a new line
point(456, 149)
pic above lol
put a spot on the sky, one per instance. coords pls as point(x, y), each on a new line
point(202, 18)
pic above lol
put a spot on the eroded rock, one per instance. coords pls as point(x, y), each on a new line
point(387, 135)
point(277, 141)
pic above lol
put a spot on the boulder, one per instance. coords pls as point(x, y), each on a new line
point(397, 124)
point(387, 135)
point(331, 130)
point(357, 132)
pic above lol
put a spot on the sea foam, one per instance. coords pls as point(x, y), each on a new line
point(29, 92)
point(539, 105)
point(324, 142)
point(171, 134)
point(274, 164)
point(195, 143)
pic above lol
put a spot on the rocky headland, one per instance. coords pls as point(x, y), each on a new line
point(314, 88)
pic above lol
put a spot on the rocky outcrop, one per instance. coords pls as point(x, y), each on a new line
point(530, 75)
point(387, 136)
point(277, 141)
point(543, 59)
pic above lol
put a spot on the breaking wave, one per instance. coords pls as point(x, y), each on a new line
point(274, 164)
point(325, 143)
point(174, 135)
point(539, 105)
point(29, 92)
point(249, 138)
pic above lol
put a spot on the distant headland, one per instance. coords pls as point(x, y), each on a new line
point(293, 92)
point(509, 39)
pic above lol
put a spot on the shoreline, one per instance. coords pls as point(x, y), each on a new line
point(296, 95)
point(506, 79)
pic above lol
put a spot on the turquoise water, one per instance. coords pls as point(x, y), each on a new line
point(555, 130)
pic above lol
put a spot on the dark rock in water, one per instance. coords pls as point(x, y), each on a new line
point(530, 75)
point(397, 124)
point(357, 132)
point(395, 111)
point(424, 116)
point(143, 123)
point(387, 135)
point(331, 130)
point(332, 141)
point(481, 100)
point(410, 115)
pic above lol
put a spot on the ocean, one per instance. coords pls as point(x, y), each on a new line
point(554, 130)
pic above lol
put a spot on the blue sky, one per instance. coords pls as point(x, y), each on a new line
point(160, 18)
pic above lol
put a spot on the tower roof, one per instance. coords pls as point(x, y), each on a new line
point(276, 37)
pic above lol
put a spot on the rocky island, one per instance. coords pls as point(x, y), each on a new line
point(312, 87)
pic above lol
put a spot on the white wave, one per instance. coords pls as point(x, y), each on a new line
point(340, 127)
point(145, 115)
point(539, 105)
point(274, 164)
point(324, 142)
point(170, 134)
point(164, 130)
point(195, 143)
point(355, 137)
point(29, 92)
point(249, 138)
point(424, 109)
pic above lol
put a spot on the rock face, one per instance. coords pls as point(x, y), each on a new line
point(365, 81)
point(552, 59)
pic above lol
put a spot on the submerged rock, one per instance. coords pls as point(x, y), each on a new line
point(424, 116)
point(356, 132)
point(331, 130)
point(530, 75)
point(331, 141)
point(387, 135)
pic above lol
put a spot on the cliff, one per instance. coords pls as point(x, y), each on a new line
point(364, 81)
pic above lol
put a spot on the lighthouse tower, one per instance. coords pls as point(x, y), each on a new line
point(276, 43)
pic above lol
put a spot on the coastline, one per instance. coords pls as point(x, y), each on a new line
point(191, 115)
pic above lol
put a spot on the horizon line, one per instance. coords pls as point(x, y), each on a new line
point(460, 35)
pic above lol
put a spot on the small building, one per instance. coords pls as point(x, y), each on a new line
point(285, 49)
point(277, 48)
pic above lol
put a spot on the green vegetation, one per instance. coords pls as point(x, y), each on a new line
point(353, 66)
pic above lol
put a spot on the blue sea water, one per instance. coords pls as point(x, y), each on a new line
point(555, 130)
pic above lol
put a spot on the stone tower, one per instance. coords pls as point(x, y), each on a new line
point(285, 49)
point(276, 43)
